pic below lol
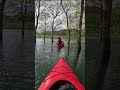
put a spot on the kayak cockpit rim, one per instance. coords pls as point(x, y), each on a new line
point(57, 85)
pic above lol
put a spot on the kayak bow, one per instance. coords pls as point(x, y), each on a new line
point(61, 72)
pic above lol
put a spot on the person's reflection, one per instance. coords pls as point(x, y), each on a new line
point(59, 49)
point(68, 49)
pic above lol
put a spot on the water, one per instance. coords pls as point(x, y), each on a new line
point(17, 68)
point(47, 56)
point(111, 80)
point(18, 63)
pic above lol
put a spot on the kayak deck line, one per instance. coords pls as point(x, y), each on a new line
point(59, 73)
point(53, 70)
point(62, 66)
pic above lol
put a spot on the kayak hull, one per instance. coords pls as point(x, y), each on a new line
point(60, 45)
point(61, 71)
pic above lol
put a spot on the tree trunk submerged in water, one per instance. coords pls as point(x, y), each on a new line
point(37, 16)
point(80, 28)
point(52, 29)
point(45, 29)
point(23, 15)
point(44, 37)
point(52, 35)
point(69, 32)
point(105, 43)
point(23, 25)
point(101, 16)
point(2, 5)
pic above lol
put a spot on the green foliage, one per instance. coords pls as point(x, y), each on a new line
point(29, 26)
point(62, 33)
point(115, 20)
point(12, 26)
point(14, 22)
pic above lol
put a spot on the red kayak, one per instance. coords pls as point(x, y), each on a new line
point(60, 45)
point(60, 74)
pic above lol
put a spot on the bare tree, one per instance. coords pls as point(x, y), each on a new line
point(106, 30)
point(39, 10)
point(2, 5)
point(101, 16)
point(38, 14)
point(80, 26)
point(66, 10)
point(45, 28)
point(23, 12)
point(105, 43)
point(54, 13)
point(24, 5)
point(44, 16)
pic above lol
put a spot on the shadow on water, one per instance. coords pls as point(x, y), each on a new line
point(3, 70)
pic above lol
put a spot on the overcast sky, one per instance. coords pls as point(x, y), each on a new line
point(61, 17)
